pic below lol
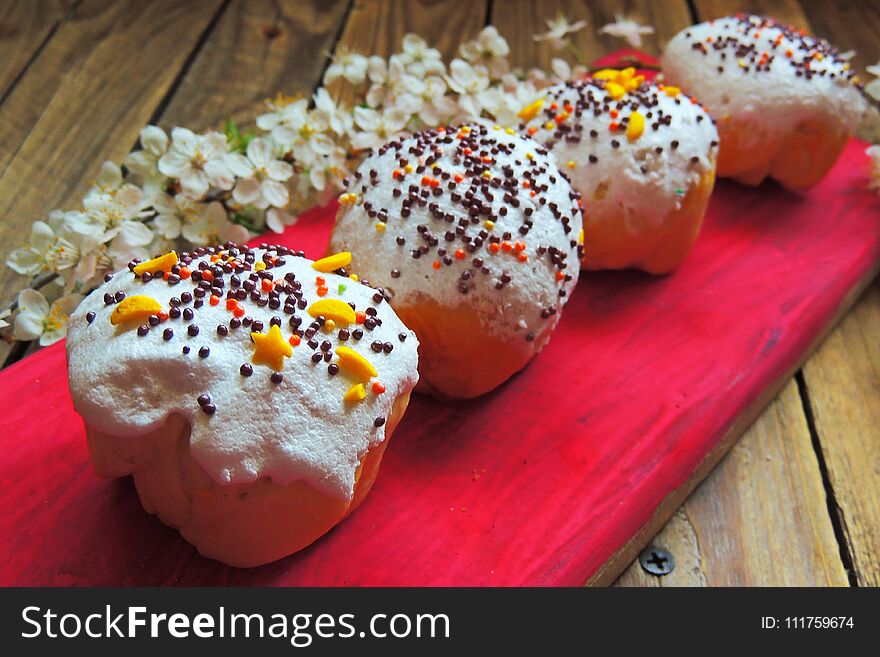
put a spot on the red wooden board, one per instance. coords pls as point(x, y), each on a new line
point(539, 482)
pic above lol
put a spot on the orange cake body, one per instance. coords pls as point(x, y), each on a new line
point(473, 234)
point(250, 392)
point(642, 157)
point(785, 102)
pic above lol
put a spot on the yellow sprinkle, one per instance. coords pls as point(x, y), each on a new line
point(332, 262)
point(353, 277)
point(487, 174)
point(510, 131)
point(489, 224)
point(162, 263)
point(138, 307)
point(260, 266)
point(496, 127)
point(549, 125)
point(636, 126)
point(329, 326)
point(530, 156)
point(581, 236)
point(742, 63)
point(606, 74)
point(615, 90)
point(531, 110)
point(333, 309)
point(356, 393)
point(380, 226)
point(672, 91)
point(356, 364)
point(570, 164)
point(408, 168)
point(271, 348)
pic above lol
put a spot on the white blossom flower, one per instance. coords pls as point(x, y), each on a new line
point(37, 319)
point(172, 213)
point(562, 70)
point(327, 113)
point(212, 226)
point(56, 247)
point(489, 49)
point(116, 205)
point(145, 162)
point(277, 220)
point(385, 78)
point(626, 28)
point(874, 179)
point(468, 82)
point(558, 30)
point(197, 161)
point(4, 315)
point(346, 64)
point(260, 176)
point(873, 87)
point(377, 126)
point(418, 58)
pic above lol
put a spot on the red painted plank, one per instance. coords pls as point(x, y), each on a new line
point(536, 483)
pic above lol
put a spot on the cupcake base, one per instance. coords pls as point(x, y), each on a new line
point(239, 524)
point(620, 238)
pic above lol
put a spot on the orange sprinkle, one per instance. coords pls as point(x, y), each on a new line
point(506, 246)
point(239, 311)
point(613, 114)
point(466, 151)
point(533, 193)
point(554, 106)
point(436, 264)
point(267, 285)
point(215, 258)
point(568, 108)
point(322, 290)
point(378, 388)
point(522, 257)
point(434, 182)
point(214, 300)
point(614, 126)
point(532, 130)
point(207, 275)
point(458, 177)
point(494, 248)
point(559, 118)
point(162, 315)
point(526, 184)
point(360, 317)
point(520, 246)
point(487, 158)
point(789, 53)
point(294, 340)
point(166, 275)
point(231, 304)
point(397, 174)
point(185, 273)
point(319, 280)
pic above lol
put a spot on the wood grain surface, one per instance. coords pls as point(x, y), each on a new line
point(69, 68)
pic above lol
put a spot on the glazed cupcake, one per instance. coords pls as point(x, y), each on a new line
point(641, 155)
point(473, 234)
point(249, 391)
point(785, 102)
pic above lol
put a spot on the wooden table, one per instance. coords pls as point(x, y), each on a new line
point(796, 502)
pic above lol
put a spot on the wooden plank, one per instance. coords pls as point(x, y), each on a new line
point(759, 519)
point(843, 386)
point(83, 100)
point(843, 379)
point(520, 20)
point(24, 28)
point(787, 11)
point(256, 49)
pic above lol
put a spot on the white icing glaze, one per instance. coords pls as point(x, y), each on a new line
point(727, 83)
point(626, 174)
point(300, 429)
point(512, 312)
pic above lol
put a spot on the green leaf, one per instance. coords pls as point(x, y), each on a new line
point(237, 142)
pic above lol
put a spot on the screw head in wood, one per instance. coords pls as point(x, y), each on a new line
point(656, 561)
